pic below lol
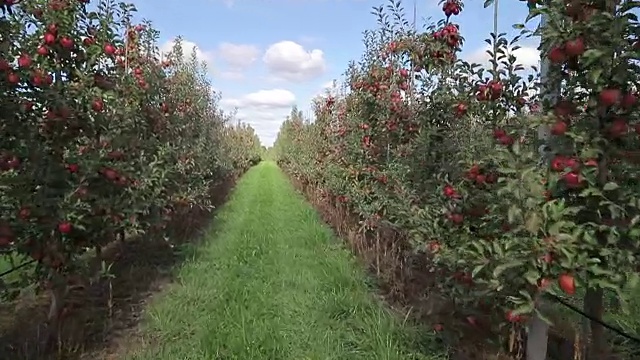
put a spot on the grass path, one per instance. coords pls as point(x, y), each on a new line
point(271, 282)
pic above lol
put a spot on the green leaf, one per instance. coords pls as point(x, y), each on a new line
point(594, 75)
point(533, 223)
point(488, 3)
point(476, 245)
point(507, 171)
point(556, 228)
point(516, 148)
point(532, 276)
point(513, 214)
point(477, 269)
point(524, 309)
point(633, 280)
point(503, 267)
point(610, 186)
point(604, 284)
point(525, 295)
point(592, 56)
point(591, 191)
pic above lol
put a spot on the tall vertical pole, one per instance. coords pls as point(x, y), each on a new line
point(538, 334)
point(550, 91)
point(415, 16)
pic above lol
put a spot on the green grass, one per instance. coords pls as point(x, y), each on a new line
point(272, 282)
point(11, 261)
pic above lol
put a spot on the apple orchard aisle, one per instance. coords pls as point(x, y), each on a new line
point(271, 282)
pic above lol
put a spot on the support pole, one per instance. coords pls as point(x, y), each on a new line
point(538, 329)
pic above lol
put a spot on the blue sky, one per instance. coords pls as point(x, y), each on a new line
point(265, 56)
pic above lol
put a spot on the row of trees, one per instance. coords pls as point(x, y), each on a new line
point(101, 136)
point(518, 186)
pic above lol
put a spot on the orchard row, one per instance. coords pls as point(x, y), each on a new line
point(514, 186)
point(101, 135)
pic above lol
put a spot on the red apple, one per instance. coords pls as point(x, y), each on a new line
point(461, 109)
point(457, 218)
point(567, 284)
point(513, 318)
point(609, 97)
point(24, 61)
point(13, 162)
point(498, 133)
point(65, 227)
point(574, 47)
point(24, 213)
point(49, 38)
point(506, 140)
point(496, 87)
point(572, 180)
point(13, 78)
point(73, 168)
point(628, 101)
point(97, 105)
point(618, 128)
point(556, 55)
point(109, 49)
point(4, 65)
point(449, 191)
point(559, 128)
point(110, 174)
point(66, 42)
point(558, 163)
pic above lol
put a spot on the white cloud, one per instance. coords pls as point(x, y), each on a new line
point(290, 61)
point(264, 110)
point(266, 124)
point(263, 99)
point(526, 56)
point(187, 49)
point(238, 56)
point(329, 87)
point(232, 75)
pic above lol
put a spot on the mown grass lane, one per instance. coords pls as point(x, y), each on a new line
point(272, 282)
